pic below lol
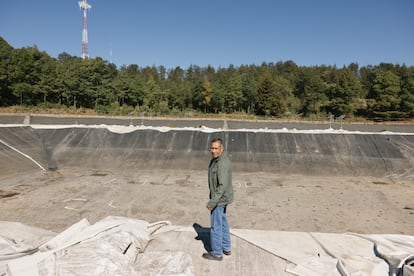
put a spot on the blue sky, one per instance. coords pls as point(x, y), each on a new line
point(218, 32)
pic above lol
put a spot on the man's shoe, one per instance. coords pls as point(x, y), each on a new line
point(210, 256)
point(227, 253)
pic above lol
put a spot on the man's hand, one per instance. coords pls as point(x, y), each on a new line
point(209, 208)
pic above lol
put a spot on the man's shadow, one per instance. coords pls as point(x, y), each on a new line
point(203, 234)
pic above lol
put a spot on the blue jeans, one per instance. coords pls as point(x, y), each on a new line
point(219, 232)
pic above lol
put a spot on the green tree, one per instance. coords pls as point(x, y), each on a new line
point(270, 100)
point(206, 94)
point(67, 83)
point(196, 98)
point(285, 100)
point(156, 97)
point(24, 75)
point(344, 94)
point(100, 78)
point(311, 91)
point(129, 87)
point(6, 52)
point(179, 89)
point(46, 87)
point(384, 95)
point(31, 77)
point(234, 94)
point(407, 92)
point(249, 90)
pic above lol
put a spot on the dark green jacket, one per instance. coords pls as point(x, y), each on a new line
point(220, 181)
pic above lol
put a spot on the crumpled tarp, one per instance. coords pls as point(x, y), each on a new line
point(343, 254)
point(116, 246)
point(111, 246)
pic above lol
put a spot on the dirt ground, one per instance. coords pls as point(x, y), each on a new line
point(56, 200)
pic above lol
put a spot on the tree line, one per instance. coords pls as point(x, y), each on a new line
point(30, 77)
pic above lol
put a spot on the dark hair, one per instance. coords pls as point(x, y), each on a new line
point(217, 140)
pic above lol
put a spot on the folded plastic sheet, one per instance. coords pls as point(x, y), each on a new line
point(18, 239)
point(336, 254)
point(116, 246)
point(111, 246)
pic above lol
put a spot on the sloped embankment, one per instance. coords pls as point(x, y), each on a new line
point(308, 153)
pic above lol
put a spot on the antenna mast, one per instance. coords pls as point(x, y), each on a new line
point(83, 5)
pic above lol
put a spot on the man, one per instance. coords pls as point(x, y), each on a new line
point(221, 194)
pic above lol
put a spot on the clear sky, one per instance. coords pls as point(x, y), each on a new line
point(218, 32)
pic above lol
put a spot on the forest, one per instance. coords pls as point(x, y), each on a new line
point(31, 78)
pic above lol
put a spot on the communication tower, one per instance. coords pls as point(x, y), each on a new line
point(83, 5)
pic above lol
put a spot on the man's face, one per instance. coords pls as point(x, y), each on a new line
point(216, 149)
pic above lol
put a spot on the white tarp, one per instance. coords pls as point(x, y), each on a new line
point(116, 246)
point(112, 246)
point(336, 254)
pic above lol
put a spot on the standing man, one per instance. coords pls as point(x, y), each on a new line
point(221, 194)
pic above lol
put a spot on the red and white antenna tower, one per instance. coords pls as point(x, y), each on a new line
point(83, 5)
